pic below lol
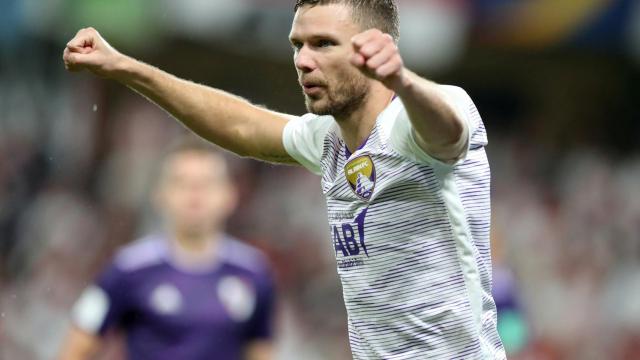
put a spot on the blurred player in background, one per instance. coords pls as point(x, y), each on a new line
point(403, 169)
point(189, 291)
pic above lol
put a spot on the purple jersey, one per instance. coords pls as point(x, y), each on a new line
point(168, 312)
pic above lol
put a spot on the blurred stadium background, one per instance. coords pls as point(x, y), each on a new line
point(555, 81)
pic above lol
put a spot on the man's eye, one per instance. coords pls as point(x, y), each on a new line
point(324, 43)
point(296, 45)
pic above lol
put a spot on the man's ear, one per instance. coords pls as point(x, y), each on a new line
point(233, 198)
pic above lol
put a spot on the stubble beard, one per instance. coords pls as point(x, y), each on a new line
point(342, 101)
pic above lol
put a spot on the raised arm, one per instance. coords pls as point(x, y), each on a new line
point(222, 118)
point(440, 130)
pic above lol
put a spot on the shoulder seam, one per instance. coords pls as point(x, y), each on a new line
point(140, 254)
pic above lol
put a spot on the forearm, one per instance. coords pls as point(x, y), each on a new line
point(222, 118)
point(441, 132)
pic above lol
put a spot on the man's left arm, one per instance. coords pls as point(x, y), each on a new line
point(440, 130)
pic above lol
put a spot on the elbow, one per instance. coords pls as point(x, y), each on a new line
point(458, 133)
point(451, 144)
point(238, 141)
point(454, 149)
point(455, 134)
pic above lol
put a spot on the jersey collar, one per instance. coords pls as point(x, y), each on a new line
point(347, 153)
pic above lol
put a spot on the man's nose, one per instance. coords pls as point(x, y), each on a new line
point(304, 60)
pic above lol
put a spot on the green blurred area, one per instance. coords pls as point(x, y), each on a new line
point(131, 23)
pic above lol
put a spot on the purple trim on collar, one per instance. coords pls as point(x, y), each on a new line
point(348, 153)
point(206, 266)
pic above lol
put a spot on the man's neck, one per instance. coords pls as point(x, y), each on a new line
point(195, 250)
point(357, 126)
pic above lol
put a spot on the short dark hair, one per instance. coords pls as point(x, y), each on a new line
point(370, 14)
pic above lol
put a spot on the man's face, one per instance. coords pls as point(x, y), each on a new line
point(194, 193)
point(321, 38)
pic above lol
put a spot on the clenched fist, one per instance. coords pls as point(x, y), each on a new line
point(88, 50)
point(377, 56)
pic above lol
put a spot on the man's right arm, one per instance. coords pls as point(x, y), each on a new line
point(222, 118)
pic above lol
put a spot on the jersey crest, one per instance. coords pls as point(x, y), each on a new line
point(361, 175)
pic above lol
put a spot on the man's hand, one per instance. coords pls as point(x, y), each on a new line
point(88, 50)
point(440, 130)
point(377, 56)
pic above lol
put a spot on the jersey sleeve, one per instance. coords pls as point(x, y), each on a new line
point(102, 305)
point(260, 325)
point(403, 136)
point(303, 139)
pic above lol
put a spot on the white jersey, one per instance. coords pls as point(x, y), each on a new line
point(410, 233)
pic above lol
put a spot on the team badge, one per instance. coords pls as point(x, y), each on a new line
point(166, 299)
point(238, 297)
point(361, 176)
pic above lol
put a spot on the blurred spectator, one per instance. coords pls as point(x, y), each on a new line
point(189, 290)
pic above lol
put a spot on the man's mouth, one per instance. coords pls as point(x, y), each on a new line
point(311, 88)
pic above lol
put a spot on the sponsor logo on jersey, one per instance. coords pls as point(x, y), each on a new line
point(361, 175)
point(349, 241)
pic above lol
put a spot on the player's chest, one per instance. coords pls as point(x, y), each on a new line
point(175, 300)
point(373, 175)
point(373, 197)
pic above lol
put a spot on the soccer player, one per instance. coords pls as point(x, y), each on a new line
point(403, 169)
point(190, 291)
